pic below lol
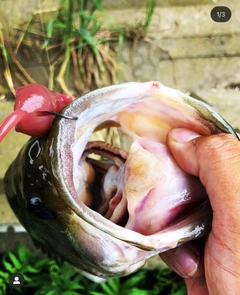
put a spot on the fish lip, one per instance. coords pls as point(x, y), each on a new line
point(79, 208)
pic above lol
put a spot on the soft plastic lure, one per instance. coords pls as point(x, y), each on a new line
point(35, 108)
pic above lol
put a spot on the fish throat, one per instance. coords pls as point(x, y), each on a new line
point(104, 187)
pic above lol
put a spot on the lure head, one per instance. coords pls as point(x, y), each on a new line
point(62, 100)
point(36, 100)
point(34, 110)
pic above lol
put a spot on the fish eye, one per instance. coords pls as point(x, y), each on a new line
point(39, 209)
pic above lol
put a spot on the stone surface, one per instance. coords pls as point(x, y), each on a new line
point(184, 49)
point(226, 102)
point(16, 13)
point(145, 62)
point(123, 4)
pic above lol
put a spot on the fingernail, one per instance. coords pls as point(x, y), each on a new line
point(184, 135)
point(187, 261)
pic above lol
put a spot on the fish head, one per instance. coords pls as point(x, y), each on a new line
point(107, 208)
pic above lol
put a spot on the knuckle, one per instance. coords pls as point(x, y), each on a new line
point(218, 147)
point(219, 159)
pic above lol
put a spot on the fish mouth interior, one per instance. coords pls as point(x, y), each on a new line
point(136, 183)
point(139, 187)
point(111, 159)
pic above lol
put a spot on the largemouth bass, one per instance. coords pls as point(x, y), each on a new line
point(106, 216)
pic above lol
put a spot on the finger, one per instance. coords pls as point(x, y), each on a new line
point(215, 160)
point(186, 260)
point(196, 286)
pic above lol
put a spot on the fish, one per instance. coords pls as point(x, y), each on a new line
point(107, 209)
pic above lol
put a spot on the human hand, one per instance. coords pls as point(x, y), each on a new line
point(216, 161)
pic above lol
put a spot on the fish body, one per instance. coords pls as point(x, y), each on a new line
point(107, 216)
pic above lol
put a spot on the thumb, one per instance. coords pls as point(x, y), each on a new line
point(215, 160)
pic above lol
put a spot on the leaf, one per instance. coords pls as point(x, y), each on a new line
point(32, 269)
point(68, 271)
point(73, 285)
point(15, 261)
point(107, 290)
point(114, 284)
point(182, 290)
point(8, 266)
point(24, 254)
point(136, 291)
point(27, 278)
point(50, 28)
point(59, 25)
point(88, 38)
point(4, 51)
point(41, 263)
point(3, 288)
point(70, 293)
point(151, 5)
point(134, 280)
point(111, 287)
point(52, 292)
point(98, 5)
point(4, 275)
point(47, 290)
point(40, 280)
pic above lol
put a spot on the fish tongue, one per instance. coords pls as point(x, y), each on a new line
point(142, 173)
point(156, 189)
point(125, 186)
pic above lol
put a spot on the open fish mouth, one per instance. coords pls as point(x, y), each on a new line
point(141, 189)
point(118, 205)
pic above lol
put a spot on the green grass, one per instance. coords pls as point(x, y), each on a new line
point(73, 42)
point(81, 34)
point(45, 276)
point(75, 30)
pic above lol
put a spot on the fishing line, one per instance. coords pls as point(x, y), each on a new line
point(61, 115)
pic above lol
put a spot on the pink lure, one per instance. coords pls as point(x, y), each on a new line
point(30, 111)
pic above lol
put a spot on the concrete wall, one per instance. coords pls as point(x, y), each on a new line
point(184, 49)
point(18, 12)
